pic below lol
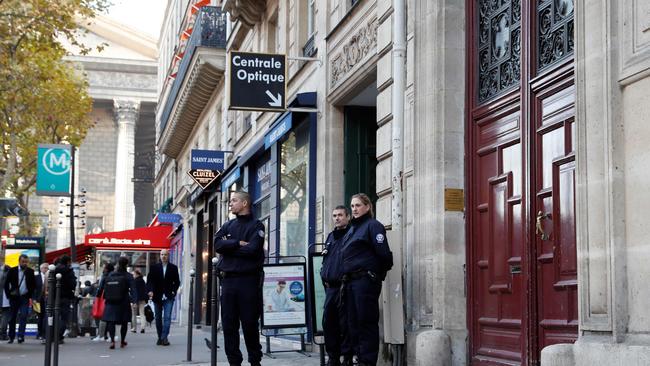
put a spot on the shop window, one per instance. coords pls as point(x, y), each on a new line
point(142, 260)
point(294, 167)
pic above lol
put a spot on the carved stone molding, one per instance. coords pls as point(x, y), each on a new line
point(635, 46)
point(248, 12)
point(126, 111)
point(357, 48)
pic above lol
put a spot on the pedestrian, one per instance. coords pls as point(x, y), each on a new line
point(337, 342)
point(141, 298)
point(19, 288)
point(99, 323)
point(162, 284)
point(5, 309)
point(366, 259)
point(38, 302)
point(118, 290)
point(240, 243)
point(68, 286)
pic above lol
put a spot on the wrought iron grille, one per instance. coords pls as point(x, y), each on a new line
point(499, 47)
point(554, 32)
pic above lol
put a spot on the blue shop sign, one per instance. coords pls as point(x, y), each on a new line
point(278, 131)
point(169, 218)
point(207, 160)
point(53, 170)
point(229, 180)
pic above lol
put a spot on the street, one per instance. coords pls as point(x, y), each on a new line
point(141, 351)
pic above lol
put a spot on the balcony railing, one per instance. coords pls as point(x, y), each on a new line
point(209, 31)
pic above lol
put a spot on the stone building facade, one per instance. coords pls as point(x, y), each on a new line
point(529, 112)
point(120, 146)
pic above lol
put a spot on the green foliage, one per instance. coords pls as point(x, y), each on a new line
point(43, 98)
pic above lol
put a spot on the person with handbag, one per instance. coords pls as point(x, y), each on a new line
point(19, 288)
point(99, 305)
point(38, 302)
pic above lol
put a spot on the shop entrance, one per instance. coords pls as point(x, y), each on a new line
point(360, 138)
point(522, 271)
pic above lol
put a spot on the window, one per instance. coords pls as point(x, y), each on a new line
point(294, 210)
point(311, 18)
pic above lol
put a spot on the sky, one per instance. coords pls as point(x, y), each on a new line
point(142, 15)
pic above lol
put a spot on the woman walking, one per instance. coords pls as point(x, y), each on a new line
point(140, 300)
point(118, 290)
point(100, 323)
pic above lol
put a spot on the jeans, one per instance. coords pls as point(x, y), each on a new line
point(163, 317)
point(19, 311)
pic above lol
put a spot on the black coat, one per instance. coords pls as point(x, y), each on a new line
point(234, 257)
point(140, 289)
point(365, 247)
point(332, 269)
point(38, 290)
point(68, 281)
point(159, 285)
point(119, 311)
point(12, 282)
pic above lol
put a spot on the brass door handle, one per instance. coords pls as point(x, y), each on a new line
point(539, 230)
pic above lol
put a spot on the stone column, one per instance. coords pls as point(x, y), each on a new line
point(126, 115)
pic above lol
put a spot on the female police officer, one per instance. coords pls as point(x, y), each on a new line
point(366, 259)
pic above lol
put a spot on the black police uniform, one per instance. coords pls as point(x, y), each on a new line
point(240, 270)
point(366, 259)
point(334, 315)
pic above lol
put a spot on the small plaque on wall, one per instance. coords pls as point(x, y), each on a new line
point(319, 215)
point(454, 199)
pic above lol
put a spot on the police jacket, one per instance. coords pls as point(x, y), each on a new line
point(332, 269)
point(365, 247)
point(234, 257)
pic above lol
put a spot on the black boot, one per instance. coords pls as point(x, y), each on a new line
point(347, 361)
point(333, 361)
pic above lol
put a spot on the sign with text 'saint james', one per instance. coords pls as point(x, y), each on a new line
point(257, 81)
point(205, 166)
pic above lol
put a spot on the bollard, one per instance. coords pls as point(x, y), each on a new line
point(214, 312)
point(49, 325)
point(190, 317)
point(57, 320)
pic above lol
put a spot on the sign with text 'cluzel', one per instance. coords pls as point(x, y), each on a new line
point(53, 170)
point(205, 166)
point(257, 81)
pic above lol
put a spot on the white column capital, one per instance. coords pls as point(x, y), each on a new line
point(126, 111)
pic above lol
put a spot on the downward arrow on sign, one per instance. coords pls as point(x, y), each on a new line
point(275, 102)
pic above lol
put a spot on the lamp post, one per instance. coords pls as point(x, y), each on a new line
point(190, 317)
point(57, 314)
point(214, 313)
point(49, 326)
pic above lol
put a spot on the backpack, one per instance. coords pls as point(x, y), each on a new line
point(115, 288)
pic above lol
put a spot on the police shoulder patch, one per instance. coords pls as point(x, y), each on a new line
point(261, 233)
point(380, 238)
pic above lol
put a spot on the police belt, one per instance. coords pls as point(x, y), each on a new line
point(332, 284)
point(224, 274)
point(357, 275)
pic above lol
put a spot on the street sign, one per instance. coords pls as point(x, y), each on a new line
point(207, 159)
point(203, 177)
point(257, 81)
point(53, 170)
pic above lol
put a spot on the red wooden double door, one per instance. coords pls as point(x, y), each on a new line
point(522, 270)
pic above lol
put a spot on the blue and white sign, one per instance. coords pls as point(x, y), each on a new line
point(278, 131)
point(53, 170)
point(207, 160)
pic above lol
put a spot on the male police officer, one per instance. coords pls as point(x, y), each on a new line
point(334, 319)
point(241, 244)
point(366, 258)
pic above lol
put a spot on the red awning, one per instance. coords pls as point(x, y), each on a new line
point(144, 238)
point(82, 251)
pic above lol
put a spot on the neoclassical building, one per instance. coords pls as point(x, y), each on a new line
point(117, 157)
point(502, 141)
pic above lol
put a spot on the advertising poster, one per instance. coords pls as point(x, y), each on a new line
point(319, 292)
point(284, 296)
point(12, 256)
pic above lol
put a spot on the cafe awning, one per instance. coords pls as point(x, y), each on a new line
point(145, 238)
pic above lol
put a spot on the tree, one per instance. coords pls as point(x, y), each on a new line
point(43, 98)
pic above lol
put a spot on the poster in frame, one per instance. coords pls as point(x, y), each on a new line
point(284, 296)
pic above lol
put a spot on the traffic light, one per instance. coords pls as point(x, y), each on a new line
point(10, 207)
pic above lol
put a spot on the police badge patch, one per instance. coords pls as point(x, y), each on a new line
point(380, 238)
point(261, 233)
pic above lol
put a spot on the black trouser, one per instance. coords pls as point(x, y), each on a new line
point(42, 318)
point(241, 301)
point(64, 315)
point(110, 328)
point(362, 304)
point(337, 341)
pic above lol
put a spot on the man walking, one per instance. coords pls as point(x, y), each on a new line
point(240, 242)
point(334, 315)
point(5, 310)
point(68, 286)
point(19, 288)
point(39, 299)
point(162, 283)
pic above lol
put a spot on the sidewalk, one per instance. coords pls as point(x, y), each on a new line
point(142, 351)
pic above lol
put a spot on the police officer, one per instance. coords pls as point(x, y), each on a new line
point(366, 259)
point(241, 244)
point(334, 319)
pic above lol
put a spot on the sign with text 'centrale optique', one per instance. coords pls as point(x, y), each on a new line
point(257, 81)
point(53, 170)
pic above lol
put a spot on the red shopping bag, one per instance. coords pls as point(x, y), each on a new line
point(98, 307)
